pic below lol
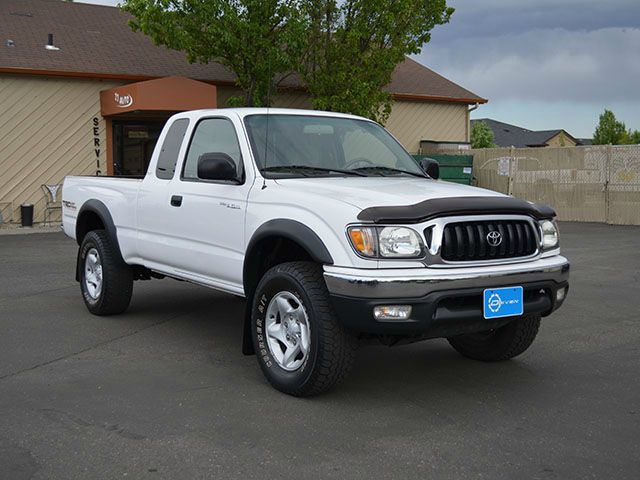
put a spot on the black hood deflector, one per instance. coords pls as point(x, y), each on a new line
point(441, 207)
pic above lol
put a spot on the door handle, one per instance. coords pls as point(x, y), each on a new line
point(176, 200)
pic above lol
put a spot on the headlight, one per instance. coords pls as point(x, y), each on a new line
point(399, 242)
point(386, 242)
point(549, 234)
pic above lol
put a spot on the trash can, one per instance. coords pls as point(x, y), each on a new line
point(453, 168)
point(26, 213)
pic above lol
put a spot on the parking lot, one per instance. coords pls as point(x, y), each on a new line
point(163, 391)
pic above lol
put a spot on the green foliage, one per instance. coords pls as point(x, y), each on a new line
point(353, 47)
point(631, 137)
point(609, 130)
point(481, 136)
point(258, 40)
point(345, 50)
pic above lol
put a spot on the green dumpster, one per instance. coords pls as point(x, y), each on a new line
point(453, 168)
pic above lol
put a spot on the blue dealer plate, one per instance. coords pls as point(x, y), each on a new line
point(503, 302)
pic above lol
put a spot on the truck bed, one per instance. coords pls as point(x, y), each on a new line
point(118, 194)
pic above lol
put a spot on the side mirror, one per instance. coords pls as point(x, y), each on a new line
point(430, 167)
point(217, 166)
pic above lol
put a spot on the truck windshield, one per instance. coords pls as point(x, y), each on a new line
point(287, 146)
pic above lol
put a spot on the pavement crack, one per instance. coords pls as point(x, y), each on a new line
point(7, 300)
point(98, 345)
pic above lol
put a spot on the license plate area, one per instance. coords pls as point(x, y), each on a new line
point(503, 302)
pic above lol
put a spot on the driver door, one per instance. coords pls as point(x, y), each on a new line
point(207, 217)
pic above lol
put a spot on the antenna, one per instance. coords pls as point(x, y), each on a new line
point(266, 129)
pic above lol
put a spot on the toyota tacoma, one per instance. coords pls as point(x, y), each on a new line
point(332, 232)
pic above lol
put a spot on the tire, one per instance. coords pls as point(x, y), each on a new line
point(106, 282)
point(500, 344)
point(330, 349)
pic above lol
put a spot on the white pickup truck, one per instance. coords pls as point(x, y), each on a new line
point(330, 230)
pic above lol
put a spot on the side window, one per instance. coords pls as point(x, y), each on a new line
point(212, 135)
point(168, 156)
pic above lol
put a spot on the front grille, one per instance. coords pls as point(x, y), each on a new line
point(470, 241)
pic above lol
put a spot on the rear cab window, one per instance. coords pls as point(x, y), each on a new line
point(168, 157)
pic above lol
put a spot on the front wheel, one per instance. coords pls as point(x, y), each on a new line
point(106, 281)
point(301, 347)
point(500, 344)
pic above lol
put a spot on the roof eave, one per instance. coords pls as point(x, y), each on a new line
point(97, 75)
point(139, 78)
point(436, 98)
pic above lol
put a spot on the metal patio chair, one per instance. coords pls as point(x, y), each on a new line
point(52, 204)
point(6, 212)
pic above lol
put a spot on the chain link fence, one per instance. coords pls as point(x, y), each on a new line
point(587, 184)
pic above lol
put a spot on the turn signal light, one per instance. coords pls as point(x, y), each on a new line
point(363, 240)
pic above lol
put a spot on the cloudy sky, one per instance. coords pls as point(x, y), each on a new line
point(543, 64)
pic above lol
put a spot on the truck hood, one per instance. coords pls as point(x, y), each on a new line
point(365, 192)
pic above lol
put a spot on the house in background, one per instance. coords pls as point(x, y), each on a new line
point(95, 100)
point(506, 135)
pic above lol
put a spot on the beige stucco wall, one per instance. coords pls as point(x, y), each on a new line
point(411, 122)
point(46, 133)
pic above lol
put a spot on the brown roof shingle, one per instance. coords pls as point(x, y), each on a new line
point(96, 41)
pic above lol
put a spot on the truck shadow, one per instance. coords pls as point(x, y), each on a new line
point(421, 372)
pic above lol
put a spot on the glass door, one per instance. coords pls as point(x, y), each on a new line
point(133, 144)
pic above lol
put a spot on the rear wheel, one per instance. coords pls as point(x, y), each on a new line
point(301, 347)
point(106, 281)
point(500, 344)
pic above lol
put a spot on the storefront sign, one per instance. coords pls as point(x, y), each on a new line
point(123, 101)
point(96, 143)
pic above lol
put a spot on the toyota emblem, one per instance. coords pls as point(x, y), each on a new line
point(494, 238)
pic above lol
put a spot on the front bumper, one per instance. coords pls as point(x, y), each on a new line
point(445, 301)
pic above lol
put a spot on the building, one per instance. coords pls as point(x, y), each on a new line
point(506, 135)
point(80, 93)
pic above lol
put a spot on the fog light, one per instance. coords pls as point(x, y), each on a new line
point(392, 312)
point(561, 293)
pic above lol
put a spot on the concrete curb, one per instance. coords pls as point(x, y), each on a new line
point(29, 230)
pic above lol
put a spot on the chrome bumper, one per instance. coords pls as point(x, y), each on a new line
point(419, 282)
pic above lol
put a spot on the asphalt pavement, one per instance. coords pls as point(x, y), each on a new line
point(164, 391)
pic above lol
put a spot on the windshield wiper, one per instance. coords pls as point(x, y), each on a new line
point(280, 168)
point(380, 168)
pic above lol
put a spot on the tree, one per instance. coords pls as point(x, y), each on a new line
point(481, 136)
point(353, 47)
point(631, 137)
point(345, 50)
point(609, 130)
point(258, 40)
